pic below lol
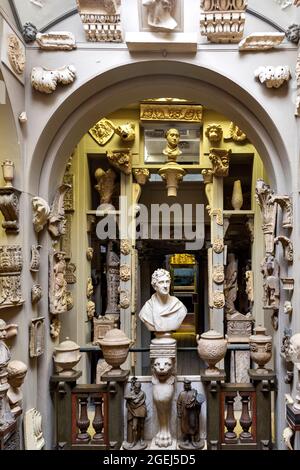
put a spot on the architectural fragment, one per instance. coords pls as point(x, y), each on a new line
point(208, 182)
point(231, 284)
point(9, 199)
point(33, 432)
point(105, 184)
point(29, 32)
point(218, 299)
point(141, 175)
point(57, 283)
point(101, 20)
point(70, 273)
point(284, 353)
point(293, 33)
point(268, 207)
point(222, 21)
point(220, 161)
point(125, 131)
point(112, 280)
point(218, 245)
point(55, 327)
point(271, 284)
point(102, 131)
point(161, 15)
point(125, 272)
point(16, 54)
point(239, 327)
point(35, 258)
point(218, 274)
point(37, 337)
point(125, 247)
point(36, 293)
point(11, 263)
point(102, 325)
point(121, 159)
point(56, 41)
point(261, 41)
point(124, 299)
point(235, 134)
point(286, 204)
point(214, 132)
point(56, 219)
point(273, 77)
point(46, 80)
point(41, 211)
point(90, 309)
point(287, 245)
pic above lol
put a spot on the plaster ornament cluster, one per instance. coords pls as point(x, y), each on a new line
point(46, 80)
point(101, 20)
point(105, 184)
point(261, 41)
point(56, 41)
point(293, 33)
point(121, 159)
point(70, 273)
point(11, 264)
point(297, 108)
point(288, 308)
point(16, 54)
point(41, 211)
point(160, 14)
point(29, 32)
point(223, 21)
point(214, 132)
point(235, 134)
point(273, 77)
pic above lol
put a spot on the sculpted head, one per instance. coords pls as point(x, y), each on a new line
point(163, 366)
point(172, 136)
point(16, 373)
point(214, 132)
point(161, 281)
point(294, 349)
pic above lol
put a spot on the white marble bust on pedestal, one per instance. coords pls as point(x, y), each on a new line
point(163, 312)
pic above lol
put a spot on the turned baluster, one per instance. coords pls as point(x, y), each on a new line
point(246, 420)
point(83, 421)
point(230, 421)
point(98, 419)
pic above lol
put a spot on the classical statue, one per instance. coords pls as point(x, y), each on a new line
point(136, 414)
point(163, 312)
point(160, 14)
point(172, 150)
point(188, 410)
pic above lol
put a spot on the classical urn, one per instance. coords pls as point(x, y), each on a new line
point(8, 172)
point(115, 346)
point(212, 348)
point(66, 356)
point(260, 348)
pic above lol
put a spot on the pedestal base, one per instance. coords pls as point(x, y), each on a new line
point(154, 446)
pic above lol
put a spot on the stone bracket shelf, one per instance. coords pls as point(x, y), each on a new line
point(9, 206)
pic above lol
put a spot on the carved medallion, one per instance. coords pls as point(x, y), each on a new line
point(218, 299)
point(124, 299)
point(125, 247)
point(102, 132)
point(125, 272)
point(16, 54)
point(218, 245)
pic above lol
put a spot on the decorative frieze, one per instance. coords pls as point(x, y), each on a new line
point(56, 41)
point(214, 132)
point(222, 21)
point(268, 207)
point(46, 80)
point(287, 247)
point(57, 283)
point(11, 263)
point(41, 211)
point(37, 337)
point(261, 41)
point(273, 77)
point(162, 112)
point(56, 219)
point(121, 159)
point(220, 161)
point(35, 258)
point(101, 20)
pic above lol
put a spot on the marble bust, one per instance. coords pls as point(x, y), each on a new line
point(163, 312)
point(172, 150)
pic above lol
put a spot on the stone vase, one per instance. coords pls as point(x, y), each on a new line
point(260, 348)
point(8, 172)
point(212, 349)
point(237, 195)
point(115, 347)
